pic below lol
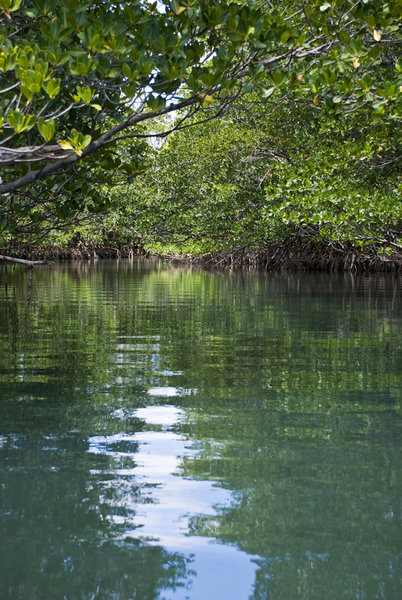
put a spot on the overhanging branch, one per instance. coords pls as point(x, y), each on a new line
point(103, 140)
point(22, 261)
point(30, 154)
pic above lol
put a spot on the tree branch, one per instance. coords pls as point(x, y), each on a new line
point(22, 261)
point(102, 141)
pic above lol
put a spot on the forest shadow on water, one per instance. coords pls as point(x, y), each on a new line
point(168, 432)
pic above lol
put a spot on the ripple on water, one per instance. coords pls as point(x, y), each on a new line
point(170, 391)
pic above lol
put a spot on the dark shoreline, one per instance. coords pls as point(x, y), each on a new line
point(292, 255)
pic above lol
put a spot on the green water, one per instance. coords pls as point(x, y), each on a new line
point(172, 433)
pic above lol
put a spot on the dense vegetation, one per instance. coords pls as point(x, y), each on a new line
point(254, 177)
point(282, 120)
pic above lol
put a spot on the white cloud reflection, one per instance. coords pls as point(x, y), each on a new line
point(172, 500)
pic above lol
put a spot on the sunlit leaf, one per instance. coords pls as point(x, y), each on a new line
point(206, 98)
point(65, 145)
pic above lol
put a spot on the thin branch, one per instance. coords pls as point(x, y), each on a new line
point(10, 88)
point(104, 139)
point(28, 263)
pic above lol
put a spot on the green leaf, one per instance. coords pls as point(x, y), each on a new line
point(85, 94)
point(10, 5)
point(53, 87)
point(47, 129)
point(156, 103)
point(20, 122)
point(277, 77)
point(86, 140)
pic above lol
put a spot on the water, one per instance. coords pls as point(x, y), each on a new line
point(169, 433)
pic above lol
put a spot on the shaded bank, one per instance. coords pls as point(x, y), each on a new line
point(81, 250)
point(300, 255)
point(292, 254)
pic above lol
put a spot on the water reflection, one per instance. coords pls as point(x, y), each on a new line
point(57, 536)
point(171, 433)
point(168, 502)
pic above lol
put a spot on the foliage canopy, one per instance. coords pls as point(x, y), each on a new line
point(78, 76)
point(254, 176)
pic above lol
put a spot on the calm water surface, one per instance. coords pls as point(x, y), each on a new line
point(169, 433)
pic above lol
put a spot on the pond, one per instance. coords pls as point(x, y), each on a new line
point(173, 433)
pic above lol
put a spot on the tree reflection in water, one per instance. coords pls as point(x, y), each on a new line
point(165, 432)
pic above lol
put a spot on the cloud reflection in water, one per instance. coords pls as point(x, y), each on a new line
point(161, 516)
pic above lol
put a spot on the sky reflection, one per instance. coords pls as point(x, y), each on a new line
point(161, 517)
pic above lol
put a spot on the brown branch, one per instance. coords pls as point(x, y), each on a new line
point(28, 154)
point(64, 162)
point(102, 141)
point(22, 261)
